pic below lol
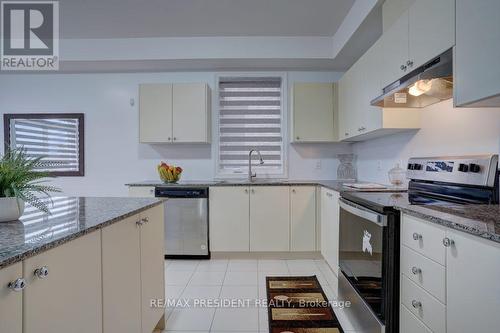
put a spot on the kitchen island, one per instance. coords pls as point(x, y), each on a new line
point(98, 262)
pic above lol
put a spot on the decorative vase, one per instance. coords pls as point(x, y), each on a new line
point(346, 169)
point(397, 176)
point(11, 209)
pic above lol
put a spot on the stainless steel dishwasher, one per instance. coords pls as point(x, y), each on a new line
point(186, 222)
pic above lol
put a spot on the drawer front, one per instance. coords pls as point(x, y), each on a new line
point(409, 323)
point(425, 307)
point(424, 238)
point(424, 272)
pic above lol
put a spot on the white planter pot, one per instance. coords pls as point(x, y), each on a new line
point(11, 209)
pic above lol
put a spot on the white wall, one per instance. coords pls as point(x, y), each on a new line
point(445, 131)
point(112, 150)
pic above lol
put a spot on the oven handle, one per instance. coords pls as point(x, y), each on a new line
point(367, 214)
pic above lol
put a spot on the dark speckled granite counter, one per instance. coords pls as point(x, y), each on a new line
point(71, 218)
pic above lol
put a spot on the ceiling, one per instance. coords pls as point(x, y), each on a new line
point(187, 18)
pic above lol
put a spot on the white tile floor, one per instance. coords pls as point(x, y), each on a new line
point(196, 281)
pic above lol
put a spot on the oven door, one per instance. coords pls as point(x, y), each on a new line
point(361, 253)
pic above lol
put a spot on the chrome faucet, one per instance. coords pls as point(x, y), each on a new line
point(251, 174)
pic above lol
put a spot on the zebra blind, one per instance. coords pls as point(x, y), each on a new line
point(58, 139)
point(250, 117)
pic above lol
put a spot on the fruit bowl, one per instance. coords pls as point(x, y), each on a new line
point(169, 173)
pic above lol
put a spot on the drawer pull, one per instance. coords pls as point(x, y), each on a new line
point(417, 236)
point(139, 223)
point(17, 284)
point(145, 220)
point(41, 272)
point(416, 270)
point(448, 242)
point(416, 304)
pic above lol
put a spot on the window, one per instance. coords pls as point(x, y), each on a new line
point(59, 138)
point(250, 117)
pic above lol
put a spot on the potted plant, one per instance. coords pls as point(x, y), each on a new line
point(20, 182)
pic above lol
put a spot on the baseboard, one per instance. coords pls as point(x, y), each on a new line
point(267, 255)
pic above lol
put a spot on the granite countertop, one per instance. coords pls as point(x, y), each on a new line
point(336, 185)
point(71, 218)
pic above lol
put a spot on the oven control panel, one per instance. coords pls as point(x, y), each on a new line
point(479, 170)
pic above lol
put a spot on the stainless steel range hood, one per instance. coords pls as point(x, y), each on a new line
point(426, 85)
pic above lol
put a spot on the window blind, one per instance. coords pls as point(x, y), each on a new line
point(250, 117)
point(54, 139)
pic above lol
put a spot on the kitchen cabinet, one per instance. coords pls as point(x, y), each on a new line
point(121, 277)
point(421, 33)
point(63, 288)
point(152, 266)
point(476, 70)
point(191, 116)
point(472, 275)
point(229, 219)
point(11, 301)
point(358, 120)
point(141, 191)
point(174, 113)
point(313, 112)
point(269, 218)
point(155, 113)
point(443, 272)
point(303, 218)
point(330, 228)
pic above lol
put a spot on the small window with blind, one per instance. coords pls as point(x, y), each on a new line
point(250, 117)
point(57, 138)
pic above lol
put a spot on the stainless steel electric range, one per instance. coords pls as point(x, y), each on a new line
point(370, 226)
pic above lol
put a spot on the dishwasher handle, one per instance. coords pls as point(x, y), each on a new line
point(367, 214)
point(169, 192)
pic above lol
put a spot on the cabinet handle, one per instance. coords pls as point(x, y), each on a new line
point(145, 220)
point(403, 67)
point(41, 272)
point(175, 138)
point(328, 194)
point(409, 63)
point(253, 191)
point(362, 128)
point(448, 242)
point(298, 138)
point(417, 236)
point(416, 304)
point(246, 190)
point(293, 191)
point(169, 139)
point(17, 284)
point(346, 134)
point(139, 223)
point(416, 270)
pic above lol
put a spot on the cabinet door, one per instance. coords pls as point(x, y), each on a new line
point(68, 299)
point(303, 218)
point(472, 275)
point(121, 277)
point(346, 104)
point(330, 228)
point(155, 113)
point(394, 43)
point(229, 219)
point(476, 70)
point(11, 307)
point(269, 218)
point(313, 112)
point(432, 29)
point(141, 191)
point(190, 112)
point(152, 267)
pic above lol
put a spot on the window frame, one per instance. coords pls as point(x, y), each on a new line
point(81, 136)
point(284, 126)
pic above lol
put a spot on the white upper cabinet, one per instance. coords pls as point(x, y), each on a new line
point(477, 73)
point(155, 113)
point(314, 107)
point(191, 116)
point(421, 33)
point(431, 29)
point(174, 113)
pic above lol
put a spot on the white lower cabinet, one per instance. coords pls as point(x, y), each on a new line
point(229, 219)
point(11, 301)
point(63, 288)
point(269, 218)
point(303, 218)
point(133, 272)
point(448, 281)
point(262, 218)
point(330, 228)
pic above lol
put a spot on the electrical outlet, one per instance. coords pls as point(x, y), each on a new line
point(318, 165)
